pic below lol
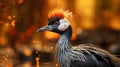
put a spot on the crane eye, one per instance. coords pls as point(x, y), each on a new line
point(57, 23)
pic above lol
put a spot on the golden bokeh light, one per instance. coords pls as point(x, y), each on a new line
point(20, 1)
point(9, 17)
point(3, 41)
point(50, 35)
point(13, 23)
point(86, 8)
point(27, 52)
point(115, 24)
point(37, 62)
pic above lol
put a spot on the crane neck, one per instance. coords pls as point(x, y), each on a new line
point(67, 33)
point(64, 47)
point(64, 41)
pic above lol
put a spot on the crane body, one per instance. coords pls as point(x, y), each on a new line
point(83, 55)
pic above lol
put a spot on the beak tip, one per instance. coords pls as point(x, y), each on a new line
point(37, 30)
point(42, 29)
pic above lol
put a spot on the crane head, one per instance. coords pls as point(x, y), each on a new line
point(57, 21)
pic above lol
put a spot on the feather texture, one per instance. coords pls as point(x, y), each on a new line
point(82, 55)
point(59, 13)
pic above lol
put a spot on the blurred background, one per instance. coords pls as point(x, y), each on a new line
point(94, 21)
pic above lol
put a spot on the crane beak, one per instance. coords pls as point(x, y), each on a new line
point(48, 27)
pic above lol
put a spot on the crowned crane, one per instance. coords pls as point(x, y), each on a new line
point(83, 55)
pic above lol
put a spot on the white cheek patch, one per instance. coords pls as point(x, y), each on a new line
point(63, 25)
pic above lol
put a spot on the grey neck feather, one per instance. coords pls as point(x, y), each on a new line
point(63, 47)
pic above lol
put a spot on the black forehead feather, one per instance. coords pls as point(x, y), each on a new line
point(53, 20)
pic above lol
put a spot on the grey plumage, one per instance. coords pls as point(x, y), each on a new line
point(83, 55)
